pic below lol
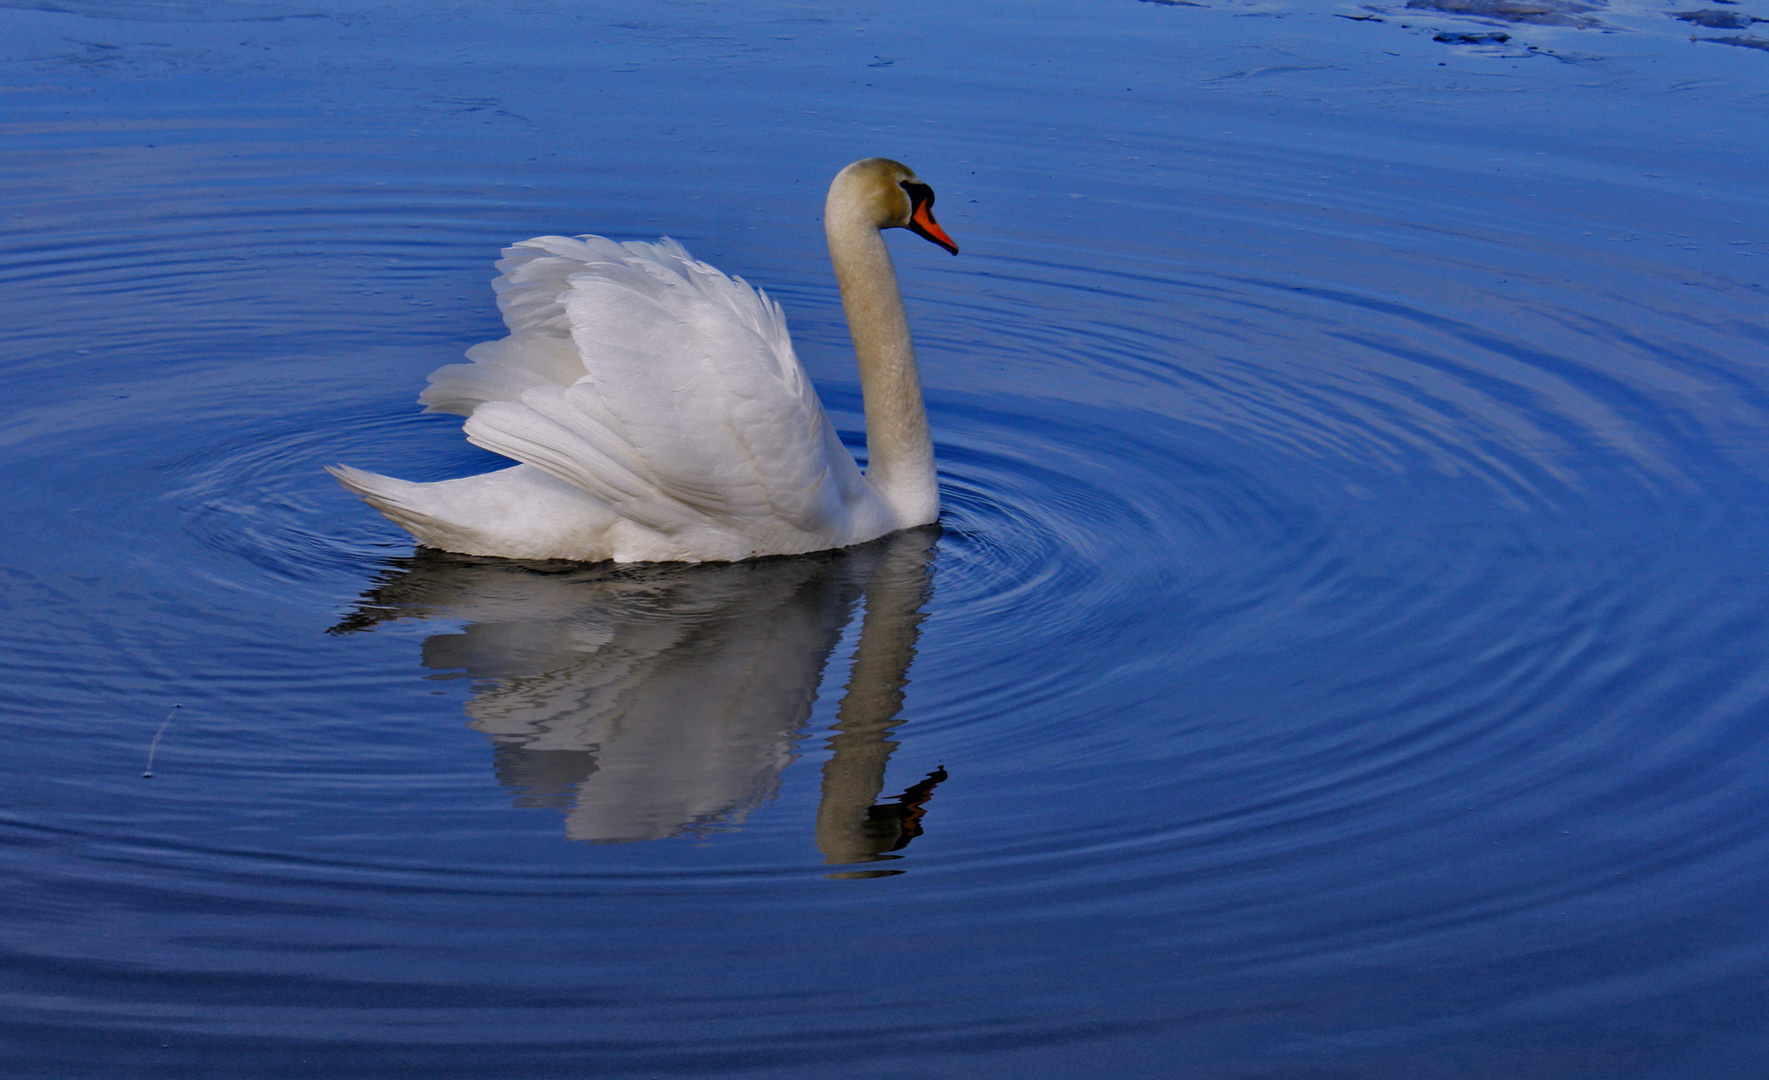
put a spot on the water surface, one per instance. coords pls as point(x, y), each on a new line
point(1343, 653)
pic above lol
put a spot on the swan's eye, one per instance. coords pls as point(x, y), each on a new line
point(919, 195)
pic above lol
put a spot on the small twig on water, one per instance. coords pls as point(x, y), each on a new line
point(155, 745)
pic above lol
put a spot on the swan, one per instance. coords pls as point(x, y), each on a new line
point(660, 414)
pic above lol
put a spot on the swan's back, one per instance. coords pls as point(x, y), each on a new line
point(659, 412)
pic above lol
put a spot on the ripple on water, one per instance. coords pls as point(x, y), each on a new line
point(1325, 583)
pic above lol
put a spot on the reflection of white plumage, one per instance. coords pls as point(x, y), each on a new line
point(654, 701)
point(660, 413)
point(677, 699)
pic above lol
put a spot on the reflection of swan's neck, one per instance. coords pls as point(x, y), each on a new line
point(899, 447)
point(854, 775)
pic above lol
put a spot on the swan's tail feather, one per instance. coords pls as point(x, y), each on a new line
point(395, 500)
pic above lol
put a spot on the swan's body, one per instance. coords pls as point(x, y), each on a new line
point(659, 411)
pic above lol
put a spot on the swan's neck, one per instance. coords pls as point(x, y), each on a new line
point(899, 447)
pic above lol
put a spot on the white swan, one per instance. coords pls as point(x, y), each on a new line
point(660, 413)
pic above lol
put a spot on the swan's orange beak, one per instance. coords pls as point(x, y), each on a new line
point(923, 223)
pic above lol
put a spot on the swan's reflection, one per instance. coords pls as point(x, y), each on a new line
point(653, 701)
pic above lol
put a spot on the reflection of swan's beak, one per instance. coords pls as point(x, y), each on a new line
point(888, 827)
point(892, 825)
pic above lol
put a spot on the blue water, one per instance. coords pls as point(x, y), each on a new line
point(1343, 655)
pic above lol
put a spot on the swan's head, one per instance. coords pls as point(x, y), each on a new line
point(886, 194)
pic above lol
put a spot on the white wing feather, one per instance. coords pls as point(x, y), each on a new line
point(664, 390)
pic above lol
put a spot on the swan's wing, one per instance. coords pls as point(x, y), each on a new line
point(534, 277)
point(655, 383)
